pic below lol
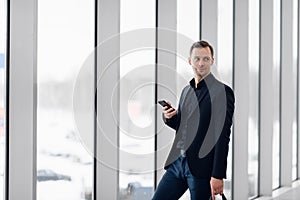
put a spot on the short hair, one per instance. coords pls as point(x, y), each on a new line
point(202, 44)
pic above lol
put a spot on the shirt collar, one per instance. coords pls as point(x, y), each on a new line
point(201, 83)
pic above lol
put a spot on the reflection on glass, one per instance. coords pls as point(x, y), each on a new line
point(276, 97)
point(188, 23)
point(65, 39)
point(295, 52)
point(253, 98)
point(136, 143)
point(225, 63)
point(2, 92)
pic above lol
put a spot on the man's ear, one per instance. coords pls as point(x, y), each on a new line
point(212, 61)
point(189, 61)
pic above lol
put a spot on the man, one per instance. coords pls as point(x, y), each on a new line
point(203, 120)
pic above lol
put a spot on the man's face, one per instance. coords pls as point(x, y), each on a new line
point(201, 61)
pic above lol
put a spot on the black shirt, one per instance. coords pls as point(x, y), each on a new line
point(194, 94)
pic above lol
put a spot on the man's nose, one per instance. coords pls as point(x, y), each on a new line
point(201, 62)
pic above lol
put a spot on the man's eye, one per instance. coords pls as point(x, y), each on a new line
point(206, 59)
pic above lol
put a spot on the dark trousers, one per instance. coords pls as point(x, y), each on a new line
point(178, 179)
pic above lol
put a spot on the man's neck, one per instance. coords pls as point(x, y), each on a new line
point(198, 79)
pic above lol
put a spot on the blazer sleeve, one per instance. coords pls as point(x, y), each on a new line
point(222, 146)
point(174, 122)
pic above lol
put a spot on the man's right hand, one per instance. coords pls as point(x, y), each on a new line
point(169, 113)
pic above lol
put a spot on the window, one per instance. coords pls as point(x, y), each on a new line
point(276, 92)
point(225, 40)
point(253, 136)
point(65, 40)
point(188, 24)
point(225, 63)
point(295, 53)
point(137, 70)
point(2, 92)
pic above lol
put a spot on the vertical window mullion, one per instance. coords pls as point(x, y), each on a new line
point(266, 97)
point(22, 100)
point(286, 93)
point(108, 74)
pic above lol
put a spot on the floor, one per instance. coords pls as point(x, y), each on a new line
point(288, 193)
point(293, 194)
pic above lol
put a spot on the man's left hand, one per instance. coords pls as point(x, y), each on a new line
point(216, 186)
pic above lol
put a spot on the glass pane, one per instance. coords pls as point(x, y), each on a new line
point(295, 52)
point(188, 26)
point(253, 98)
point(188, 23)
point(225, 41)
point(136, 143)
point(65, 40)
point(225, 63)
point(276, 92)
point(2, 92)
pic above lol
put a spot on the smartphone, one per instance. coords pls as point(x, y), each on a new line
point(163, 103)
